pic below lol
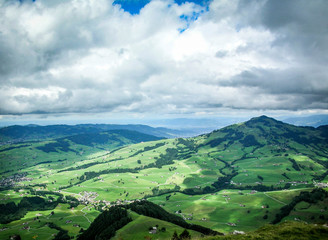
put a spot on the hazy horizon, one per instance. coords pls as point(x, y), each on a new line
point(142, 61)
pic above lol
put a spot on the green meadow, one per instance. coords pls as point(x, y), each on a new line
point(140, 227)
point(244, 209)
point(236, 178)
point(36, 222)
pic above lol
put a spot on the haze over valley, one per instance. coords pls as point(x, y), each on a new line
point(163, 119)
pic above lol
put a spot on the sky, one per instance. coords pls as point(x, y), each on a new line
point(106, 61)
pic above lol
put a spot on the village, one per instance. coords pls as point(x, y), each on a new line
point(13, 180)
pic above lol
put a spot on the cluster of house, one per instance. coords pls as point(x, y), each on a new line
point(74, 225)
point(185, 216)
point(26, 227)
point(293, 183)
point(125, 202)
point(14, 179)
point(87, 197)
point(321, 185)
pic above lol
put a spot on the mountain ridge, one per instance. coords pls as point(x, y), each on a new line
point(18, 133)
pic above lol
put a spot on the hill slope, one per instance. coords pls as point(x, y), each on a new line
point(64, 151)
point(236, 178)
point(286, 230)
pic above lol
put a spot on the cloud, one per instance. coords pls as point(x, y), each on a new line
point(84, 56)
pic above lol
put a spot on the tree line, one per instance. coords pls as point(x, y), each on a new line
point(314, 196)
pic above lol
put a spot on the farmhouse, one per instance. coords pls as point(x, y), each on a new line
point(153, 231)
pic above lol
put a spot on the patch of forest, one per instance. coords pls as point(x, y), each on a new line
point(312, 197)
point(15, 147)
point(106, 224)
point(58, 145)
point(10, 211)
point(148, 148)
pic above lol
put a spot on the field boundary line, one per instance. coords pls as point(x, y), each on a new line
point(274, 199)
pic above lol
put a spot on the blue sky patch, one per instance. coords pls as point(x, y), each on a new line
point(134, 6)
point(189, 19)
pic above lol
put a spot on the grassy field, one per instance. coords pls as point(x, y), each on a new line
point(36, 222)
point(244, 210)
point(139, 229)
point(287, 230)
point(219, 171)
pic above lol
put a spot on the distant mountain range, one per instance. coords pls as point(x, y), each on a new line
point(177, 127)
point(313, 121)
point(17, 133)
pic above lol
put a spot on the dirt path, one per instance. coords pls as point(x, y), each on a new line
point(84, 215)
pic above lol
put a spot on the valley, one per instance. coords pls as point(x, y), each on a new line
point(240, 177)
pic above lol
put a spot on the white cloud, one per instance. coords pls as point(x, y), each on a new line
point(91, 56)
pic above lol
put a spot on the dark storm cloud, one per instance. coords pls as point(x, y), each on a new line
point(291, 81)
point(302, 26)
point(306, 89)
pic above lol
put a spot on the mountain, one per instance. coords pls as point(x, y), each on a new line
point(263, 131)
point(240, 177)
point(32, 132)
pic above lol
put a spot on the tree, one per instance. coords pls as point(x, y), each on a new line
point(185, 235)
point(175, 236)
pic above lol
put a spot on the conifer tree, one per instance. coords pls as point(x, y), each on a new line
point(175, 236)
